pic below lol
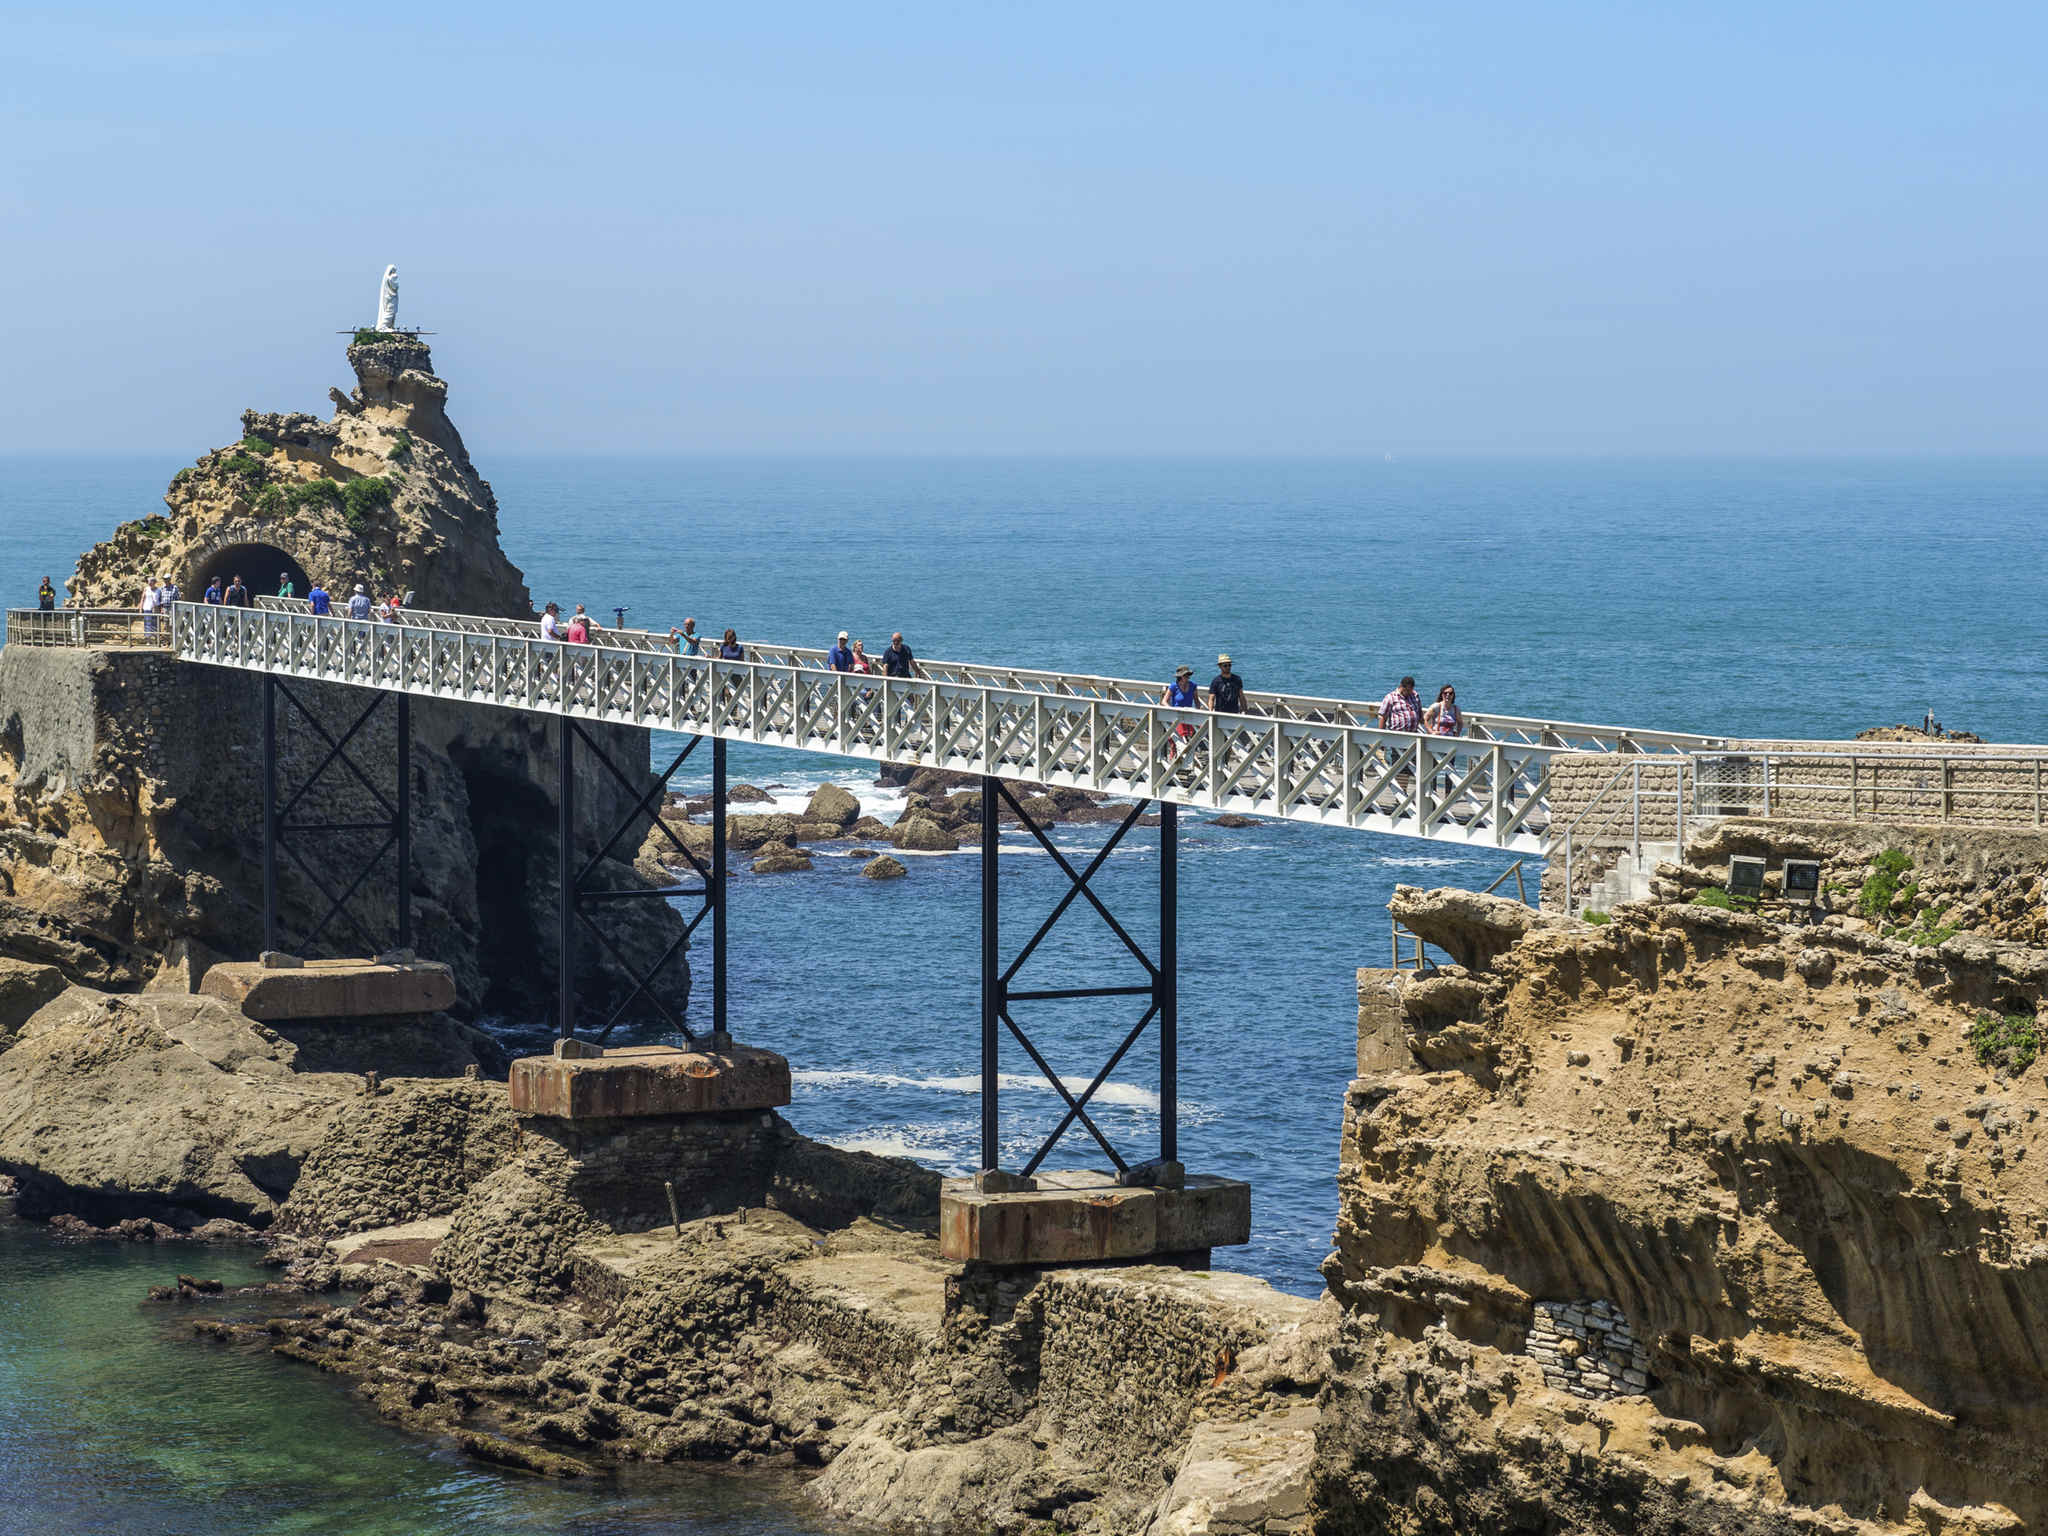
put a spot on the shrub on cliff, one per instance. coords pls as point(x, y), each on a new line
point(361, 497)
point(257, 446)
point(2009, 1042)
point(245, 467)
point(1887, 871)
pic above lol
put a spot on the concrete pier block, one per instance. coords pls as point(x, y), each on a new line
point(648, 1080)
point(1085, 1217)
point(330, 989)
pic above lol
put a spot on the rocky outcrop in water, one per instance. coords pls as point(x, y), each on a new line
point(382, 493)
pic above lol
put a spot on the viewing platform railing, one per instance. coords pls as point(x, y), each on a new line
point(87, 626)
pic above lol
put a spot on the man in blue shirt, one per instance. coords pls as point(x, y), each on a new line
point(318, 600)
point(839, 658)
point(212, 592)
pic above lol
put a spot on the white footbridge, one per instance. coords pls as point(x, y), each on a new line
point(1289, 757)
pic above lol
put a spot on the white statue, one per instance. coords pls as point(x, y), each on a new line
point(387, 301)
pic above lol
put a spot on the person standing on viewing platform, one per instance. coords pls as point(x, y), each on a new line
point(898, 660)
point(579, 627)
point(359, 603)
point(318, 600)
point(729, 648)
point(860, 662)
point(839, 658)
point(148, 606)
point(1226, 688)
point(686, 639)
point(589, 624)
point(166, 593)
point(285, 587)
point(46, 597)
point(237, 595)
point(1401, 710)
point(551, 622)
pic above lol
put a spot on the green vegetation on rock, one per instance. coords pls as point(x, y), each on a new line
point(245, 467)
point(1887, 870)
point(1715, 896)
point(257, 446)
point(401, 447)
point(363, 496)
point(2009, 1042)
point(1595, 916)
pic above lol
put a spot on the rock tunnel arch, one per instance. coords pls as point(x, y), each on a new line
point(260, 566)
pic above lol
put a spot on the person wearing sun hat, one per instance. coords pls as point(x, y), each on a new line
point(1226, 689)
point(1181, 693)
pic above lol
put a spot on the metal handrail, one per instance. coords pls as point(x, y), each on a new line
point(1492, 794)
point(1521, 890)
point(1306, 709)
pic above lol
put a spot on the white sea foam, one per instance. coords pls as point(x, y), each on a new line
point(1126, 1095)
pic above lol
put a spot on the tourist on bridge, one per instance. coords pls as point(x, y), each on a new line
point(1181, 693)
point(237, 595)
point(579, 627)
point(589, 624)
point(359, 603)
point(729, 648)
point(551, 622)
point(860, 662)
point(285, 587)
point(1226, 688)
point(318, 600)
point(1401, 710)
point(1442, 718)
point(166, 593)
point(148, 606)
point(898, 661)
point(687, 639)
point(839, 658)
point(212, 593)
point(46, 597)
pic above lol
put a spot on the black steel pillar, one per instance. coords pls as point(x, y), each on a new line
point(403, 817)
point(1166, 986)
point(721, 1035)
point(565, 834)
point(991, 977)
point(269, 811)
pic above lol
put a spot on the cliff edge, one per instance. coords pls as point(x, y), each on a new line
point(1703, 1218)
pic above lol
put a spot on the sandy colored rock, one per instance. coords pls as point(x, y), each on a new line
point(780, 859)
point(831, 803)
point(920, 834)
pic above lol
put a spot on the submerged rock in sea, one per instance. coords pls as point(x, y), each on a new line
point(882, 867)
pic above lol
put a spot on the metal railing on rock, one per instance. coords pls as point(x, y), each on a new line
point(1461, 790)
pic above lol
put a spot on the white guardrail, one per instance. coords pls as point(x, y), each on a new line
point(1470, 790)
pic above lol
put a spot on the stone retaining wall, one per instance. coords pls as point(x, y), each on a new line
point(1587, 1348)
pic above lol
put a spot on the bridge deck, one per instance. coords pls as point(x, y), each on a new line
point(1098, 734)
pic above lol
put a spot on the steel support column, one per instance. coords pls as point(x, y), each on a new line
point(576, 900)
point(281, 833)
point(565, 886)
point(999, 996)
point(269, 812)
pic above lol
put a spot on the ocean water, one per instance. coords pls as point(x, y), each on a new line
point(1803, 599)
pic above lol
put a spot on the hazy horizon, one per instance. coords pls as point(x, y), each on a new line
point(1480, 232)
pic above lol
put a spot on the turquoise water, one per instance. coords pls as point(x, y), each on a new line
point(1767, 598)
point(113, 1419)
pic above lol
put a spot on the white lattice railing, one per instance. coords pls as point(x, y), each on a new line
point(1462, 790)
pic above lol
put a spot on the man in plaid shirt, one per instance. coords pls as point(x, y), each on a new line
point(1401, 710)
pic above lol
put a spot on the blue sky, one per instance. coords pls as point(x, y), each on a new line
point(1261, 229)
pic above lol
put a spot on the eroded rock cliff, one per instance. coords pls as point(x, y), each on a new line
point(1701, 1219)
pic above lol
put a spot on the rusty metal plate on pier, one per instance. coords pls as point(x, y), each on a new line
point(638, 1080)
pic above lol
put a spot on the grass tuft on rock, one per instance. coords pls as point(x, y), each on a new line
point(1715, 896)
point(1887, 874)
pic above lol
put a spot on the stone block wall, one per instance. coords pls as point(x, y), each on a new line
point(1587, 1348)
